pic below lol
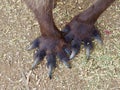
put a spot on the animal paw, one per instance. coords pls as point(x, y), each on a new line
point(50, 47)
point(79, 32)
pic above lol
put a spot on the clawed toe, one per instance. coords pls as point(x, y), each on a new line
point(38, 57)
point(75, 46)
point(51, 64)
point(34, 44)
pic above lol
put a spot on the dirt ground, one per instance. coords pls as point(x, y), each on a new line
point(18, 28)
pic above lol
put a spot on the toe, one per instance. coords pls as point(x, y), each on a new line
point(75, 46)
point(34, 44)
point(51, 64)
point(88, 46)
point(38, 57)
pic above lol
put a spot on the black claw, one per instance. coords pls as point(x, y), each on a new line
point(34, 44)
point(75, 45)
point(50, 68)
point(51, 64)
point(38, 57)
point(74, 52)
point(50, 76)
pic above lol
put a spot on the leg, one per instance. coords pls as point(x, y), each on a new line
point(81, 28)
point(51, 42)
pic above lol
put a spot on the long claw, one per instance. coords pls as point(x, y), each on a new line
point(34, 44)
point(51, 64)
point(74, 52)
point(38, 57)
point(88, 47)
point(75, 48)
point(35, 63)
point(50, 69)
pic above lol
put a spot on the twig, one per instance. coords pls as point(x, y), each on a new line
point(26, 79)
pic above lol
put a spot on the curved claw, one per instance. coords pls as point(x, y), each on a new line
point(75, 48)
point(34, 44)
point(74, 52)
point(51, 64)
point(38, 57)
point(35, 63)
point(89, 46)
point(50, 68)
